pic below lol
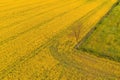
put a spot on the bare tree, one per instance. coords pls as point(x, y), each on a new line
point(76, 31)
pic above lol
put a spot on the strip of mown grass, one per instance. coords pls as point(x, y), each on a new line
point(105, 39)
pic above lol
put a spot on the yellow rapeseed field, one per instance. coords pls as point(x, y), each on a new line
point(37, 39)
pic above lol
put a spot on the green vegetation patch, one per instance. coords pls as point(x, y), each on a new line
point(105, 39)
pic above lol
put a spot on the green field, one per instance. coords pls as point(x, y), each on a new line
point(105, 39)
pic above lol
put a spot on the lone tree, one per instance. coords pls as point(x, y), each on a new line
point(76, 31)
